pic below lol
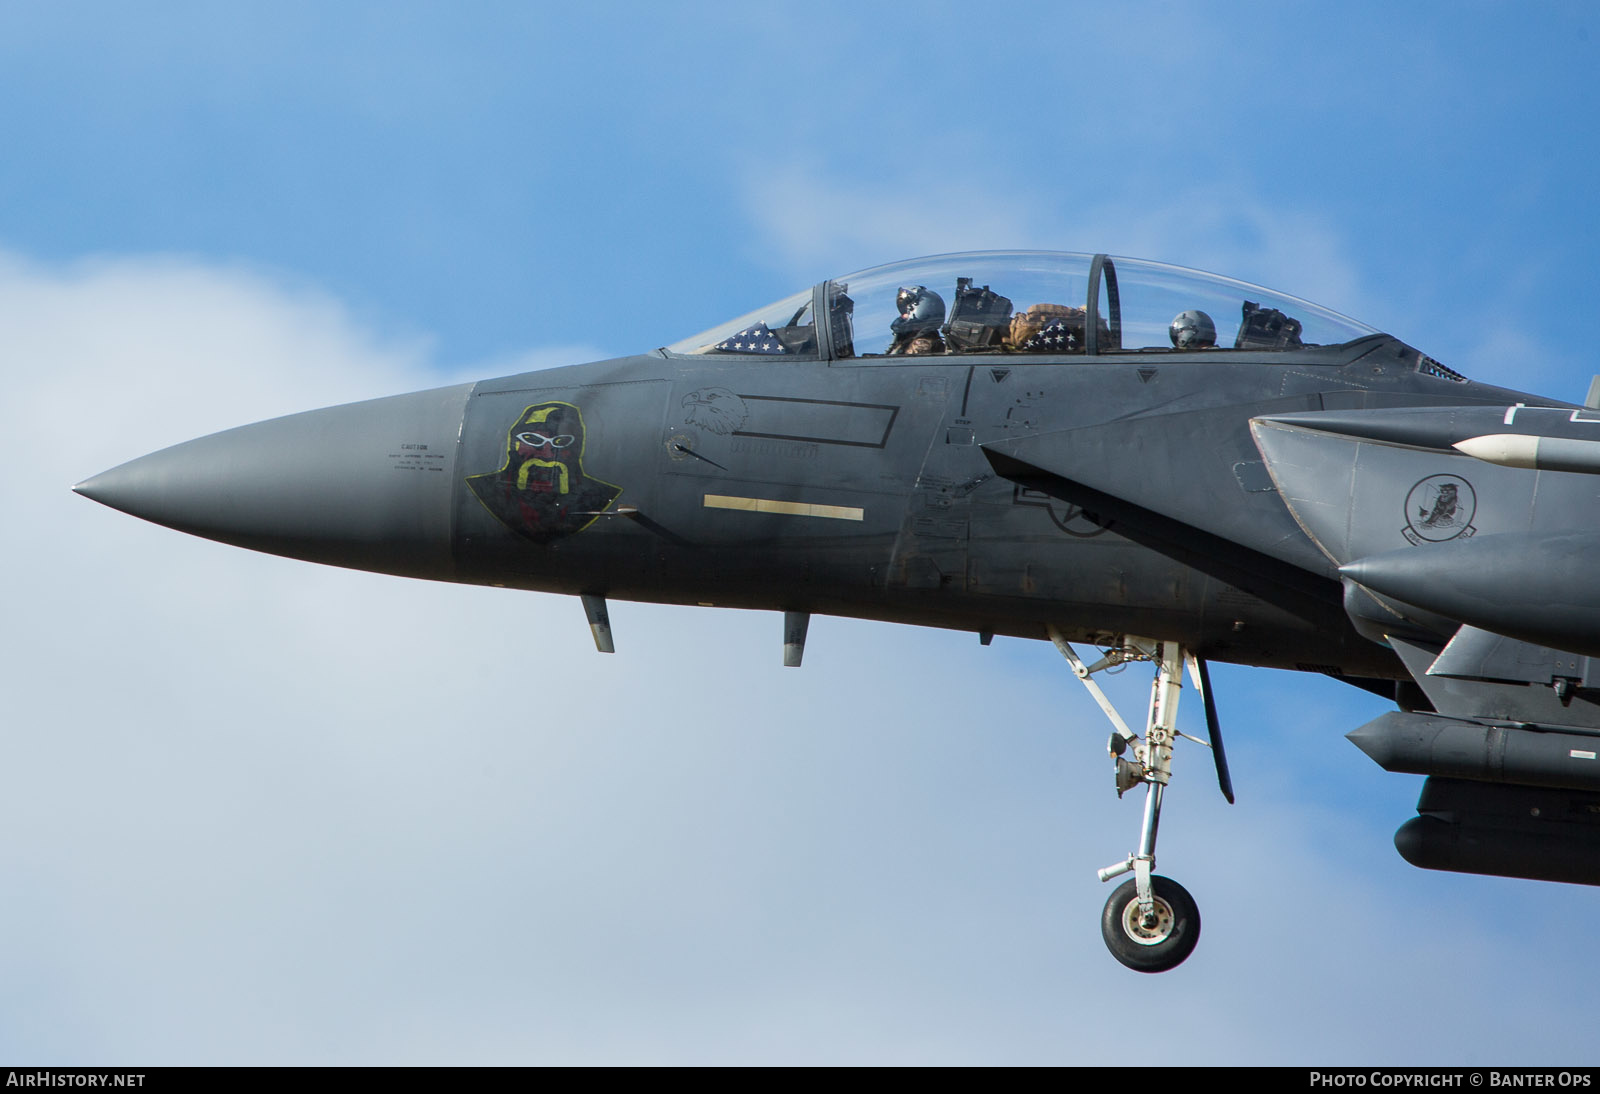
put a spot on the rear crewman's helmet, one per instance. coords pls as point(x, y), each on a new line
point(1193, 330)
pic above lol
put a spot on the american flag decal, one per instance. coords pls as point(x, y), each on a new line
point(1055, 335)
point(757, 339)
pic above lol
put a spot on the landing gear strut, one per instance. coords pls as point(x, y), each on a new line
point(1151, 923)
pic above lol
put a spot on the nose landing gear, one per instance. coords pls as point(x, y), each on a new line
point(1151, 923)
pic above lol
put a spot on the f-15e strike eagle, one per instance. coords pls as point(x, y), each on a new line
point(1169, 466)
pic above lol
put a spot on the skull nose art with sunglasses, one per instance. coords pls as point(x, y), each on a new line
point(542, 491)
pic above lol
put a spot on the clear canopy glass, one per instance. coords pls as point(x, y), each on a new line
point(1153, 294)
point(1029, 302)
point(786, 328)
point(973, 297)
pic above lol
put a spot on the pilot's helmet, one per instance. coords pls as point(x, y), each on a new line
point(1193, 330)
point(921, 310)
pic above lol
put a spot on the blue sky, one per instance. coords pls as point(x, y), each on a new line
point(265, 812)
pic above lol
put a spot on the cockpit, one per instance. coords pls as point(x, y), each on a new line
point(1025, 303)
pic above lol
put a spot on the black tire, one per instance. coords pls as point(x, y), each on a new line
point(1161, 948)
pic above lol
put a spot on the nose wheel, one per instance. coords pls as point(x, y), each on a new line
point(1154, 940)
point(1151, 923)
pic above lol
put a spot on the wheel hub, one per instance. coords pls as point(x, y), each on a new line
point(1148, 932)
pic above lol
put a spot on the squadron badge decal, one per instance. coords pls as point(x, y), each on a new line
point(541, 491)
point(1438, 508)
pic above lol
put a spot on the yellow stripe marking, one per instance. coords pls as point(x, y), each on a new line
point(786, 508)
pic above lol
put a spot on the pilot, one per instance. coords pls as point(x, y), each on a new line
point(1193, 330)
point(917, 330)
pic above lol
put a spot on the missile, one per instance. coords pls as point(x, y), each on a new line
point(1542, 588)
point(1537, 453)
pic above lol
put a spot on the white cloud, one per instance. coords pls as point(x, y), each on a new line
point(806, 219)
point(261, 811)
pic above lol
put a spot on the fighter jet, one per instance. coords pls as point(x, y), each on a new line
point(1163, 465)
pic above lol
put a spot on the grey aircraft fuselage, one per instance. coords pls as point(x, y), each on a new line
point(863, 487)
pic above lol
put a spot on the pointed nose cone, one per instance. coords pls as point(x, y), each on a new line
point(367, 485)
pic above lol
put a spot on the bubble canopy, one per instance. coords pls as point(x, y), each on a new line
point(1026, 302)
